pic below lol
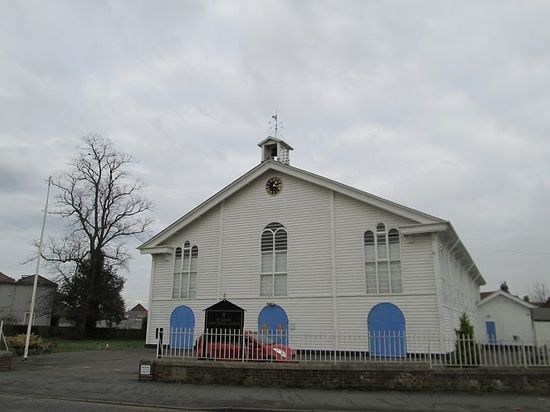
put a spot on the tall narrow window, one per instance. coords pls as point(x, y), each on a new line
point(192, 289)
point(395, 261)
point(370, 263)
point(177, 274)
point(274, 261)
point(185, 272)
point(383, 260)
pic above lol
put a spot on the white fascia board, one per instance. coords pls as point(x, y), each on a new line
point(357, 194)
point(423, 228)
point(266, 165)
point(460, 247)
point(159, 250)
point(207, 205)
point(275, 140)
point(513, 298)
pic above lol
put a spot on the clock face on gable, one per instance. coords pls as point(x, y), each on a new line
point(274, 185)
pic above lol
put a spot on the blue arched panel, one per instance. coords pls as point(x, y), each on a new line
point(273, 322)
point(182, 325)
point(386, 329)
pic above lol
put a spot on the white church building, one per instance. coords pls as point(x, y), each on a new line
point(303, 254)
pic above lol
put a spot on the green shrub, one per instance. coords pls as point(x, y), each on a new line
point(466, 348)
point(37, 344)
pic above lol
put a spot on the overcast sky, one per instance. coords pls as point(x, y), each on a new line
point(439, 106)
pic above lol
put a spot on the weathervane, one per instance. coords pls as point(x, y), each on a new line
point(275, 123)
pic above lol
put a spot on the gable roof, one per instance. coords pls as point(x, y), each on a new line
point(28, 280)
point(483, 295)
point(138, 308)
point(267, 165)
point(507, 295)
point(270, 139)
point(426, 223)
point(6, 279)
point(224, 306)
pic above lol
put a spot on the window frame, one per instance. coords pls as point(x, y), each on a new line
point(185, 272)
point(376, 262)
point(273, 228)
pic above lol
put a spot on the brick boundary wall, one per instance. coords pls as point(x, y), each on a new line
point(5, 361)
point(371, 377)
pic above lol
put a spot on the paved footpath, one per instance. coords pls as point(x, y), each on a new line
point(107, 381)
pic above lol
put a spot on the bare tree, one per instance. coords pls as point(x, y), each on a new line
point(104, 208)
point(540, 294)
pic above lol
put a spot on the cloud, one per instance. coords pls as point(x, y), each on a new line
point(439, 106)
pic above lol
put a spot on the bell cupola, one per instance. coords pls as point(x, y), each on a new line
point(275, 149)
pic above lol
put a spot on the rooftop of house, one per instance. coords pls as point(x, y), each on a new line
point(28, 280)
point(138, 308)
point(541, 314)
point(6, 279)
point(483, 295)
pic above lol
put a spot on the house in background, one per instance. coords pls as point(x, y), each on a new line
point(133, 319)
point(541, 324)
point(303, 254)
point(15, 300)
point(138, 312)
point(504, 317)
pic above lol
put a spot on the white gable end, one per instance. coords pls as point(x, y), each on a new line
point(415, 217)
point(331, 276)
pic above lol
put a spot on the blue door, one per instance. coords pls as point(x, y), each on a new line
point(182, 325)
point(273, 322)
point(386, 329)
point(491, 331)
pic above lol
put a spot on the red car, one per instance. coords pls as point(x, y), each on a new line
point(256, 347)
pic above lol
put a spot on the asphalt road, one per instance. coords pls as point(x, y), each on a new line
point(107, 381)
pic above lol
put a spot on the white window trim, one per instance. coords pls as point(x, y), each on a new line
point(387, 260)
point(273, 253)
point(187, 295)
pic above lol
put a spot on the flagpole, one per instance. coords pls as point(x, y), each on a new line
point(35, 284)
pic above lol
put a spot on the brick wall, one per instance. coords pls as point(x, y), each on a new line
point(371, 377)
point(5, 361)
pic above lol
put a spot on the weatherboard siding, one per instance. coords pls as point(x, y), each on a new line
point(542, 332)
point(512, 320)
point(203, 233)
point(305, 211)
point(162, 277)
point(352, 218)
point(463, 292)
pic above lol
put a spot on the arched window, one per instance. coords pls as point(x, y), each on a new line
point(274, 260)
point(383, 261)
point(185, 272)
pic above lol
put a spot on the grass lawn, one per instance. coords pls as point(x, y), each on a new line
point(69, 345)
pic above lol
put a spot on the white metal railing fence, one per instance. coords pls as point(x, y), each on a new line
point(391, 346)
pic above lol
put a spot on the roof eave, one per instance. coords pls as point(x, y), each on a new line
point(412, 214)
point(513, 298)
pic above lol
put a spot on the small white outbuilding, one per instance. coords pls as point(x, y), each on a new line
point(503, 317)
